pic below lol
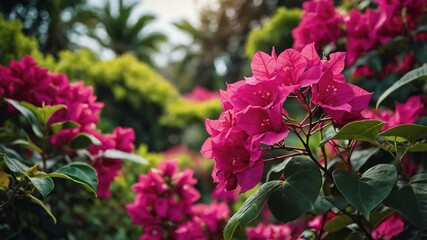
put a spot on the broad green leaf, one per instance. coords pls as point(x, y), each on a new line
point(418, 73)
point(250, 209)
point(368, 191)
point(43, 184)
point(41, 204)
point(83, 140)
point(28, 114)
point(365, 130)
point(29, 144)
point(419, 147)
point(410, 199)
point(338, 223)
point(410, 132)
point(359, 157)
point(338, 201)
point(341, 234)
point(276, 168)
point(44, 113)
point(116, 154)
point(322, 205)
point(79, 172)
point(13, 164)
point(298, 193)
point(56, 127)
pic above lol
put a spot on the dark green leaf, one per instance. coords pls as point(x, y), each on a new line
point(298, 193)
point(368, 191)
point(83, 140)
point(28, 114)
point(338, 201)
point(276, 168)
point(29, 144)
point(359, 157)
point(56, 127)
point(418, 73)
point(250, 209)
point(44, 113)
point(41, 204)
point(410, 132)
point(43, 184)
point(79, 172)
point(13, 164)
point(410, 199)
point(342, 234)
point(338, 223)
point(116, 154)
point(322, 205)
point(419, 147)
point(365, 130)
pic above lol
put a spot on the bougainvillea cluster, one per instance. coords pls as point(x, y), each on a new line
point(364, 30)
point(254, 115)
point(165, 206)
point(25, 81)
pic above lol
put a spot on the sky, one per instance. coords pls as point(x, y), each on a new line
point(167, 12)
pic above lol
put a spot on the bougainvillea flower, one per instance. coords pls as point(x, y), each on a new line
point(390, 227)
point(270, 231)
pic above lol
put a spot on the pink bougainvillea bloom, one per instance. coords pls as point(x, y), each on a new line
point(390, 227)
point(263, 125)
point(270, 231)
point(333, 96)
point(214, 216)
point(163, 194)
point(320, 23)
point(263, 66)
point(407, 112)
point(107, 169)
point(200, 94)
point(229, 196)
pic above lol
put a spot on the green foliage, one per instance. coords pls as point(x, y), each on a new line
point(183, 111)
point(365, 130)
point(14, 44)
point(368, 191)
point(270, 35)
point(298, 193)
point(250, 209)
point(418, 73)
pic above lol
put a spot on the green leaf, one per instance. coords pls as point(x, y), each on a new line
point(13, 164)
point(277, 168)
point(116, 154)
point(410, 199)
point(28, 114)
point(365, 130)
point(338, 223)
point(43, 184)
point(29, 144)
point(56, 127)
point(41, 204)
point(44, 113)
point(359, 157)
point(419, 147)
point(410, 132)
point(322, 205)
point(338, 201)
point(83, 140)
point(78, 172)
point(341, 234)
point(368, 191)
point(298, 193)
point(418, 73)
point(250, 209)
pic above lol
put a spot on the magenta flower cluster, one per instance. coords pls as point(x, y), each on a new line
point(323, 24)
point(165, 206)
point(254, 115)
point(25, 81)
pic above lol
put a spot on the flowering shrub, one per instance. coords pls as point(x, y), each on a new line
point(165, 206)
point(49, 131)
point(325, 180)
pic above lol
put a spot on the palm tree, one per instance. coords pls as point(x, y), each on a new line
point(123, 35)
